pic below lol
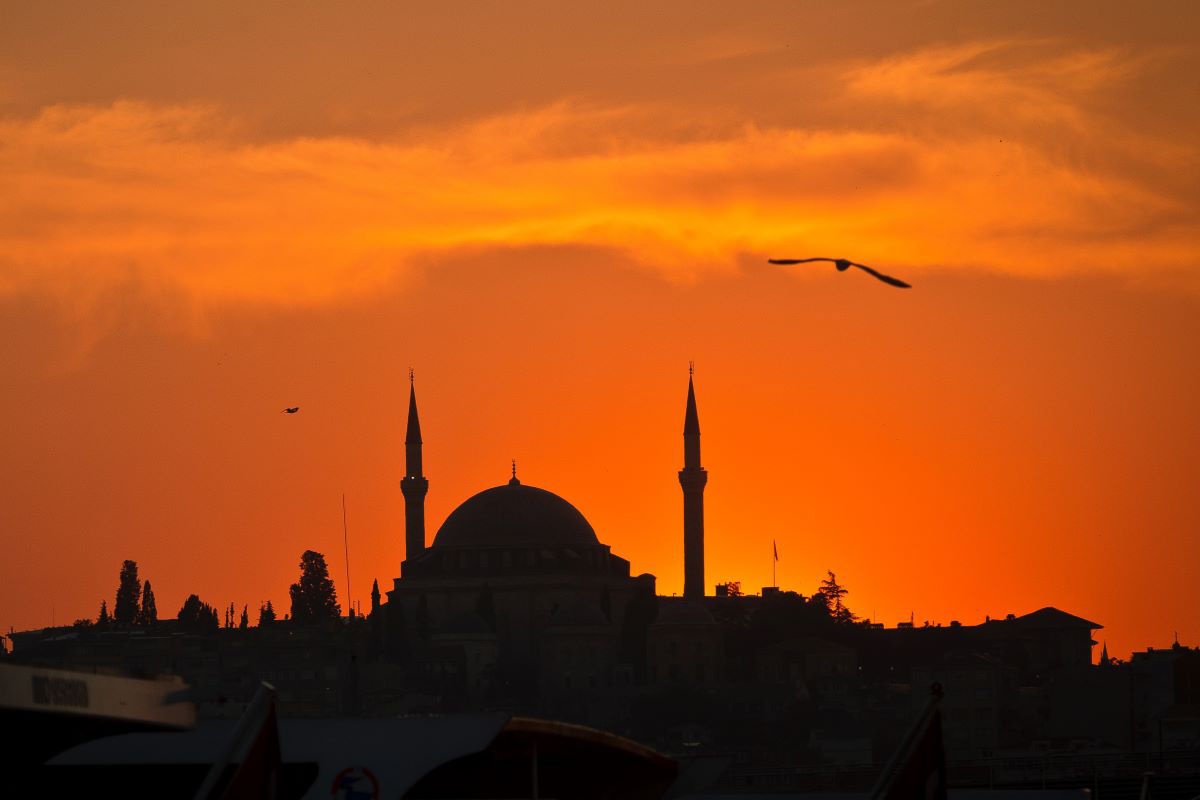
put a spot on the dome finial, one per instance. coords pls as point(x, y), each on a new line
point(514, 481)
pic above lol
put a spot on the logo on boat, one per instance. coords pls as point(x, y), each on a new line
point(49, 691)
point(356, 783)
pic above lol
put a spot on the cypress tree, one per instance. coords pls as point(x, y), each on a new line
point(198, 616)
point(314, 598)
point(266, 614)
point(125, 610)
point(148, 614)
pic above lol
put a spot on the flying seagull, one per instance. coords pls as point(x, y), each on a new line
point(291, 410)
point(843, 265)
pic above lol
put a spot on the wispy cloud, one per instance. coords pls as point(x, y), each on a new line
point(1010, 178)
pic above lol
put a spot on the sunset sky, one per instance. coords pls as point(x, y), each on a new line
point(211, 211)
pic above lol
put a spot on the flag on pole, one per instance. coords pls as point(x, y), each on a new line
point(918, 767)
point(257, 776)
point(775, 548)
point(253, 753)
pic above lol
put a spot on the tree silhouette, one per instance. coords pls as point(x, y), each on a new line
point(833, 592)
point(197, 616)
point(245, 621)
point(820, 605)
point(148, 613)
point(266, 614)
point(125, 610)
point(313, 598)
point(103, 620)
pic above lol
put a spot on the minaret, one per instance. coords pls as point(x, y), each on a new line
point(692, 478)
point(414, 485)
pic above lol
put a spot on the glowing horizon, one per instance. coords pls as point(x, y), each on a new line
point(209, 213)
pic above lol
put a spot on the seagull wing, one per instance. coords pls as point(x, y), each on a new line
point(787, 261)
point(882, 277)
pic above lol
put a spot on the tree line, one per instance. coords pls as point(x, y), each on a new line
point(314, 599)
point(827, 601)
point(313, 596)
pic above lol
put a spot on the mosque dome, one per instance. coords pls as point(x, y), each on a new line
point(516, 515)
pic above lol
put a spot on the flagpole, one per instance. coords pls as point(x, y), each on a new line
point(346, 543)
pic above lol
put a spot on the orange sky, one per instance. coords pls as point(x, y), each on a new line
point(209, 213)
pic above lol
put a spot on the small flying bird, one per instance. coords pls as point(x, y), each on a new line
point(843, 265)
point(291, 410)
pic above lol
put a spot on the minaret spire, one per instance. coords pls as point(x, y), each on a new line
point(692, 478)
point(691, 428)
point(412, 439)
point(414, 485)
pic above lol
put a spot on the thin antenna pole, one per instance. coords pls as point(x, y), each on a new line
point(346, 542)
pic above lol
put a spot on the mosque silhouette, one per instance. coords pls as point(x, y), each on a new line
point(518, 606)
point(517, 591)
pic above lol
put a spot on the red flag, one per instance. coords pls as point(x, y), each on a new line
point(917, 771)
point(253, 750)
point(257, 777)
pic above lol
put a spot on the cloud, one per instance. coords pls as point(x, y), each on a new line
point(983, 155)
